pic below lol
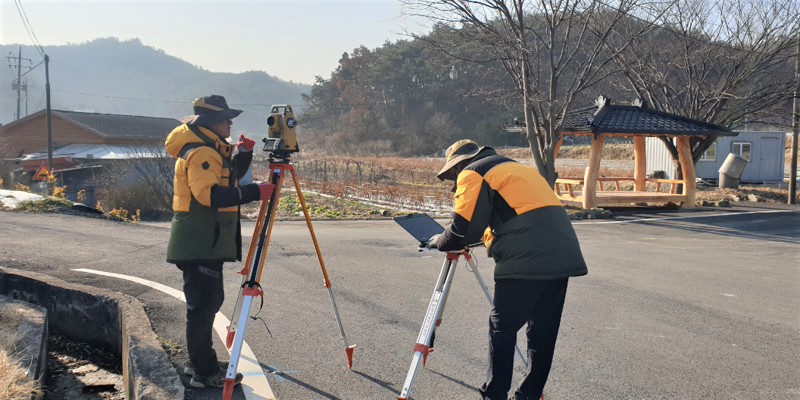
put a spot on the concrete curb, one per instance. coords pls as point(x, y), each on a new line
point(103, 318)
point(32, 347)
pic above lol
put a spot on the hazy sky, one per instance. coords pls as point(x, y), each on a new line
point(294, 40)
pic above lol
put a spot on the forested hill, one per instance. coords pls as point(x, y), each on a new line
point(109, 69)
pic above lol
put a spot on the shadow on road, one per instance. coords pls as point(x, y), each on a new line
point(386, 385)
point(301, 383)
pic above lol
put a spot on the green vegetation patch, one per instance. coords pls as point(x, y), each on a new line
point(321, 207)
point(64, 206)
point(47, 205)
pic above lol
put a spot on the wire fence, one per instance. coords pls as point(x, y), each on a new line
point(403, 189)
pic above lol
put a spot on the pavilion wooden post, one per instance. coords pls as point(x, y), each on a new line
point(592, 172)
point(558, 147)
point(687, 165)
point(640, 169)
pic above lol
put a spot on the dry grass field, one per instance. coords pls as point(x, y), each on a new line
point(380, 187)
point(15, 384)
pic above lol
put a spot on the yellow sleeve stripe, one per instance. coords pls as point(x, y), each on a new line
point(469, 186)
point(522, 187)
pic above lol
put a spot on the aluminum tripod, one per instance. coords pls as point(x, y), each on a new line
point(253, 267)
point(433, 316)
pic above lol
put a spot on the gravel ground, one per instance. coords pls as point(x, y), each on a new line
point(80, 371)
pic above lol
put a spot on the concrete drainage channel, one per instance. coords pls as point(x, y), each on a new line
point(95, 316)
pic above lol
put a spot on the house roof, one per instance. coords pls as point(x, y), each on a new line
point(113, 126)
point(100, 152)
point(118, 126)
point(605, 117)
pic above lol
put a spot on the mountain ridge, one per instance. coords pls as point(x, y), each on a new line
point(107, 75)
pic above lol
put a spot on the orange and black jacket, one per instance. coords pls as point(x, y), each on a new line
point(511, 208)
point(205, 225)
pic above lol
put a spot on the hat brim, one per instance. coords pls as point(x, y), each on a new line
point(447, 174)
point(211, 118)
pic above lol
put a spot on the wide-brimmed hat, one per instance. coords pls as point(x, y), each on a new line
point(457, 152)
point(208, 110)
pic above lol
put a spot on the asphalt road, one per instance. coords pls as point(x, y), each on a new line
point(690, 307)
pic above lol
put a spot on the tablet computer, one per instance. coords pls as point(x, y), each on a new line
point(420, 226)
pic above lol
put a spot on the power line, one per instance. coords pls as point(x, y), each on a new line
point(121, 98)
point(29, 28)
point(40, 101)
point(254, 104)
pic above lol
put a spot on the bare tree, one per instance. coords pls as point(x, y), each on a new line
point(553, 50)
point(720, 62)
point(143, 176)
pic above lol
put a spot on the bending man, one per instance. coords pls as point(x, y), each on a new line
point(526, 230)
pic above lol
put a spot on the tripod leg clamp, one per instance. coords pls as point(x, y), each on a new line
point(252, 292)
point(424, 350)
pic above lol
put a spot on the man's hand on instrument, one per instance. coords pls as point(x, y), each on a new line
point(433, 243)
point(245, 144)
point(266, 189)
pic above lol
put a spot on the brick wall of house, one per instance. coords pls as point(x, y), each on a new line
point(31, 135)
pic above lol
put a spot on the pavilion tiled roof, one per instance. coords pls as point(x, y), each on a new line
point(605, 117)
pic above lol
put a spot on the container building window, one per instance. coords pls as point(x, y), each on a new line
point(742, 149)
point(710, 154)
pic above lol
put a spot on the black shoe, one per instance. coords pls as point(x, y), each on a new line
point(521, 396)
point(216, 379)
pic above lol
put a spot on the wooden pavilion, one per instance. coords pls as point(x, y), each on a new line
point(636, 121)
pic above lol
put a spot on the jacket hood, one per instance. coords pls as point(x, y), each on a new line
point(182, 135)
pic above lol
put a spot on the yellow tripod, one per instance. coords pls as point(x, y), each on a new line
point(253, 267)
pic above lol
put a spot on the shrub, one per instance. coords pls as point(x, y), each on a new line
point(47, 204)
point(136, 197)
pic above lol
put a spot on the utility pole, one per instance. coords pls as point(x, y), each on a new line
point(795, 128)
point(49, 124)
point(18, 86)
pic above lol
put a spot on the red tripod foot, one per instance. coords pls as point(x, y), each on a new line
point(227, 390)
point(349, 351)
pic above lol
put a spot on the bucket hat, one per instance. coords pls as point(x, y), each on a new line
point(208, 110)
point(457, 152)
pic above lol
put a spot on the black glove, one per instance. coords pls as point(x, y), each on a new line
point(433, 243)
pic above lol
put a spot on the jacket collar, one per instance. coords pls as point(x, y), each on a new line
point(211, 138)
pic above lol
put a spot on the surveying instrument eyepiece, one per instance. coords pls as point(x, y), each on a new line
point(281, 138)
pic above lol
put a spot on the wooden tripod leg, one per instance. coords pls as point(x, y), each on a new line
point(267, 208)
point(347, 347)
point(252, 278)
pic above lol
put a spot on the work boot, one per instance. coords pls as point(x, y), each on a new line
point(216, 379)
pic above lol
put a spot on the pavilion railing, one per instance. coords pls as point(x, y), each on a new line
point(570, 182)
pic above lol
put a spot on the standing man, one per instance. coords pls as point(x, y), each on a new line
point(526, 230)
point(206, 230)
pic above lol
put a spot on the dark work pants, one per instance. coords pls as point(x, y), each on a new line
point(516, 302)
point(202, 286)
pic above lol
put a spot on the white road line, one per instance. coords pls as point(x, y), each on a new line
point(683, 217)
point(254, 384)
